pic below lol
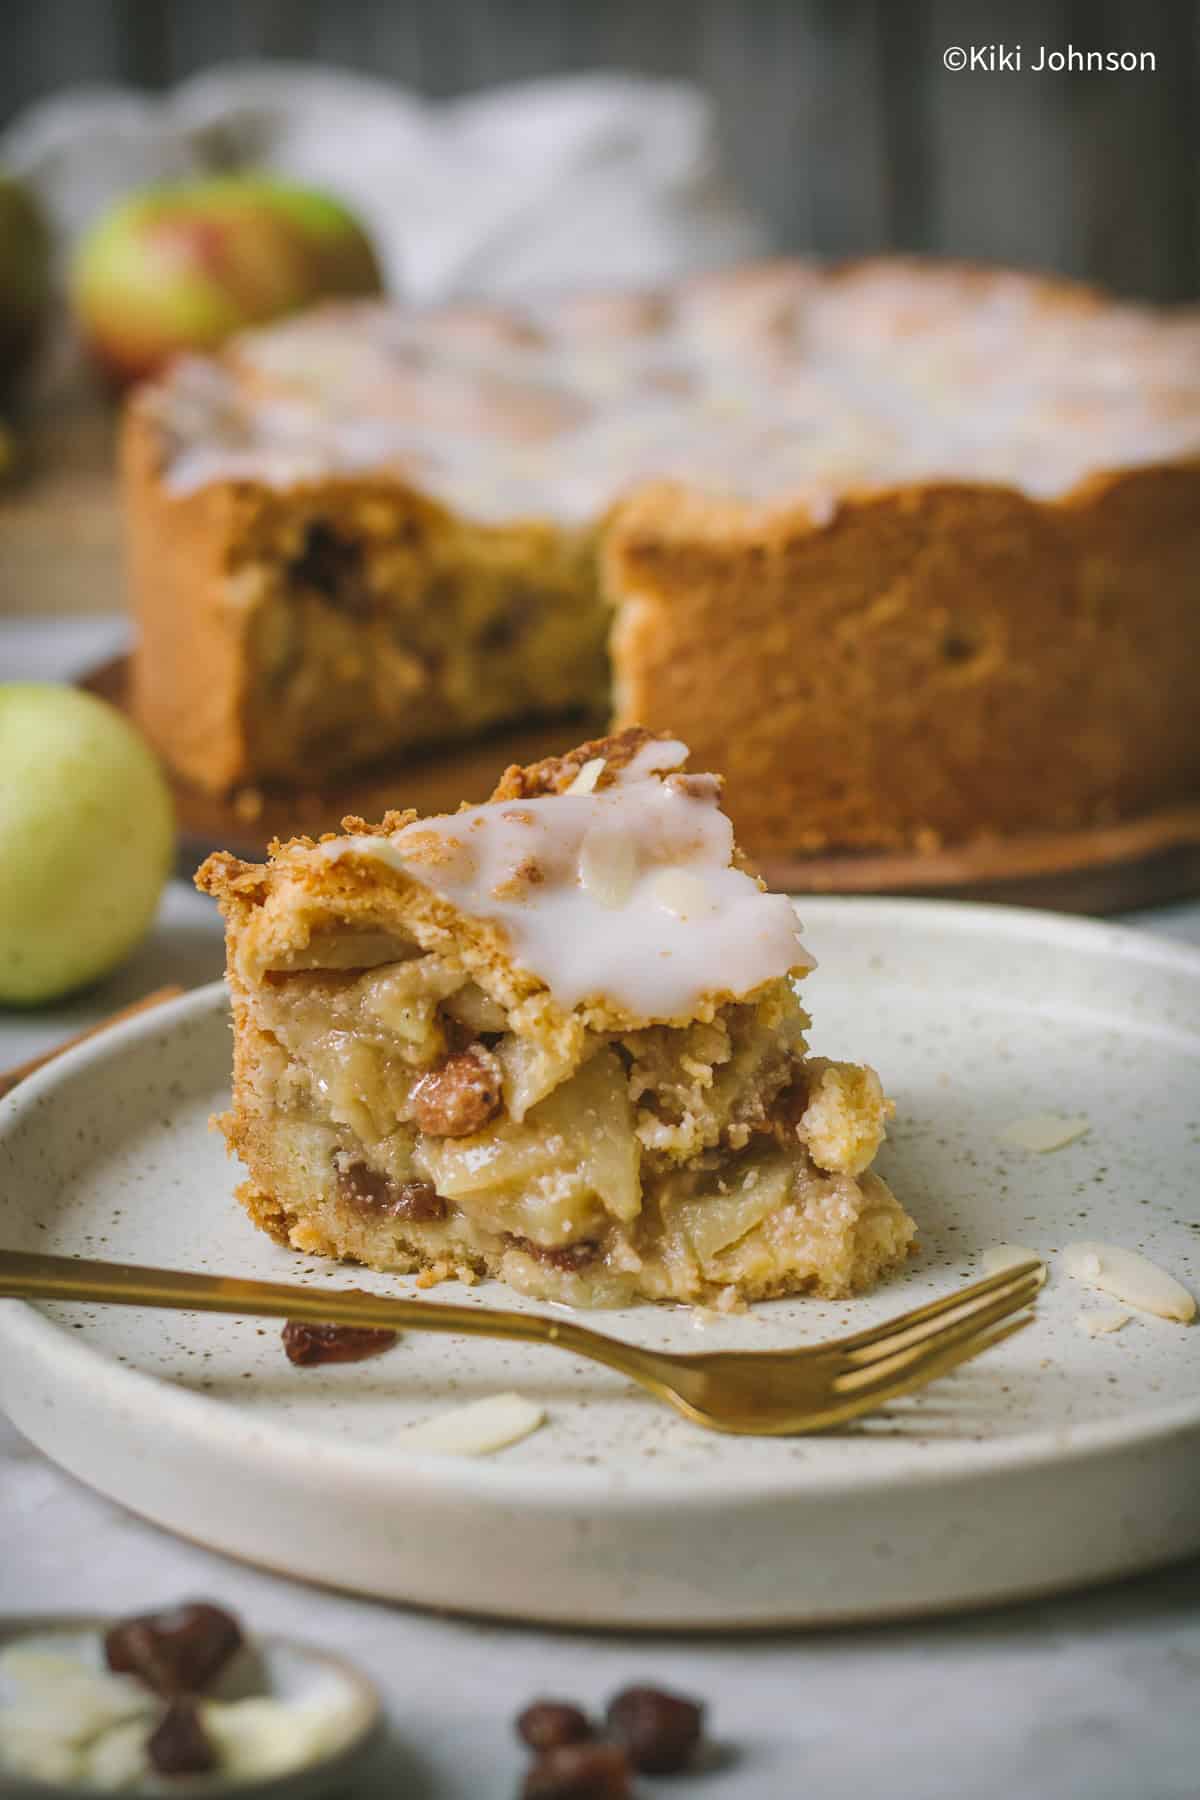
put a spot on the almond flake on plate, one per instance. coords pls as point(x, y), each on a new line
point(1130, 1277)
point(1102, 1319)
point(1043, 1132)
point(1006, 1256)
point(477, 1428)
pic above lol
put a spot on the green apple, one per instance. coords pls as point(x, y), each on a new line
point(181, 267)
point(86, 840)
point(24, 276)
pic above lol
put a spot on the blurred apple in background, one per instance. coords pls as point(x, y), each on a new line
point(180, 268)
point(86, 840)
point(24, 278)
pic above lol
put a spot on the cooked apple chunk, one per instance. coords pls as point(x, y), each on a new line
point(554, 1038)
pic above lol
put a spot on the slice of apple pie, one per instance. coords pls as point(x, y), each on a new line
point(553, 1038)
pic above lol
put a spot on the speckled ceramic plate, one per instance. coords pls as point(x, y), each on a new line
point(1057, 1459)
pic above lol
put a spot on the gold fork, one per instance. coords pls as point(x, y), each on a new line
point(764, 1393)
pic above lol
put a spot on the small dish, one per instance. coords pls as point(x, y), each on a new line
point(275, 1668)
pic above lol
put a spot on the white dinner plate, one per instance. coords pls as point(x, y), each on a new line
point(1056, 1459)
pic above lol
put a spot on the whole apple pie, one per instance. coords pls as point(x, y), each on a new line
point(554, 1038)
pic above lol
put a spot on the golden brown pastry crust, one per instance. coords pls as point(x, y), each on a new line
point(935, 664)
point(554, 774)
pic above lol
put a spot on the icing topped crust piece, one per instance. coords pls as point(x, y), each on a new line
point(620, 888)
point(552, 1038)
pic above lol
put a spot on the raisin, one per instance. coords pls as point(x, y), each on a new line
point(459, 1096)
point(659, 1731)
point(332, 566)
point(570, 1258)
point(417, 1201)
point(175, 1652)
point(548, 1723)
point(579, 1772)
point(420, 1202)
point(179, 1744)
point(306, 1345)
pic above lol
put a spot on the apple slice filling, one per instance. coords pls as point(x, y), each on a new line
point(637, 1162)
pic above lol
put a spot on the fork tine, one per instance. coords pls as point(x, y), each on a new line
point(937, 1309)
point(971, 1311)
point(932, 1368)
point(878, 1376)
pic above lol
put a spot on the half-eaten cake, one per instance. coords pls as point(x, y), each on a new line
point(554, 1038)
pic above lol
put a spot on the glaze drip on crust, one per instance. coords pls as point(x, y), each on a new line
point(625, 889)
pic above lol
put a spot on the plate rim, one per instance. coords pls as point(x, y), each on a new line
point(24, 1327)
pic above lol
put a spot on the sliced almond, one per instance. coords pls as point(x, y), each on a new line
point(1005, 1256)
point(1102, 1320)
point(1042, 1132)
point(585, 781)
point(680, 892)
point(607, 865)
point(478, 1428)
point(1130, 1277)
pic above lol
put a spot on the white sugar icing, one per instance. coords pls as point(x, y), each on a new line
point(776, 384)
point(623, 894)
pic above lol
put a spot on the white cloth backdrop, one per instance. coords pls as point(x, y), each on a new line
point(587, 180)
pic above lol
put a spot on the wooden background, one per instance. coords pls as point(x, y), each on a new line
point(839, 120)
point(839, 124)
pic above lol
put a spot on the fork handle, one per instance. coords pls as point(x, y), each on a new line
point(33, 1276)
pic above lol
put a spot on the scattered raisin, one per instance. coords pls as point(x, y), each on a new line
point(179, 1744)
point(570, 1258)
point(579, 1772)
point(306, 1345)
point(364, 1187)
point(459, 1096)
point(660, 1731)
point(332, 566)
point(417, 1201)
point(175, 1652)
point(548, 1723)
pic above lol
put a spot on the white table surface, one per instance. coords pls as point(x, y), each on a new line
point(1095, 1696)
